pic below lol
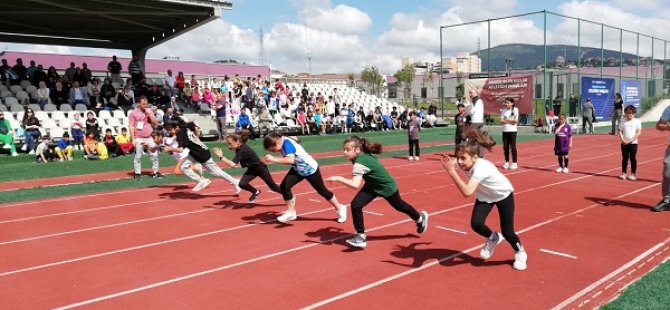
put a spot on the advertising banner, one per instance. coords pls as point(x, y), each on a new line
point(493, 92)
point(601, 93)
point(631, 91)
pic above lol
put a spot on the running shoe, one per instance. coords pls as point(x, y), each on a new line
point(423, 225)
point(255, 195)
point(342, 214)
point(661, 206)
point(520, 258)
point(202, 184)
point(490, 245)
point(358, 240)
point(287, 217)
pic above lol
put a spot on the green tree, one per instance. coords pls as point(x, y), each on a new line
point(405, 76)
point(371, 76)
point(351, 78)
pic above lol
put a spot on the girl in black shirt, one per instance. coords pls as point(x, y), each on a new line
point(246, 157)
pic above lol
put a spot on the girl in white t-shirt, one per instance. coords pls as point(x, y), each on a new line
point(509, 117)
point(490, 188)
point(629, 131)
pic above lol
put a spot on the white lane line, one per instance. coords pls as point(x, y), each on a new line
point(341, 296)
point(373, 213)
point(314, 200)
point(439, 261)
point(451, 229)
point(558, 253)
point(609, 276)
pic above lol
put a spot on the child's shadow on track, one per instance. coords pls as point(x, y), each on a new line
point(234, 205)
point(335, 235)
point(190, 195)
point(172, 187)
point(446, 257)
point(607, 202)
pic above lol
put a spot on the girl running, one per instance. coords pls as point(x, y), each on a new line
point(509, 117)
point(630, 129)
point(246, 157)
point(490, 188)
point(562, 143)
point(303, 166)
point(169, 144)
point(378, 183)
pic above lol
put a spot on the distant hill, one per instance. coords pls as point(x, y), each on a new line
point(526, 56)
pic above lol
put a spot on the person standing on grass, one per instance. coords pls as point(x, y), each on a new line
point(378, 183)
point(490, 188)
point(509, 117)
point(413, 129)
point(663, 124)
point(303, 166)
point(629, 130)
point(562, 143)
point(141, 121)
point(616, 113)
point(246, 157)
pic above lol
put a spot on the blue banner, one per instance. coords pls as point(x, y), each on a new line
point(631, 93)
point(601, 93)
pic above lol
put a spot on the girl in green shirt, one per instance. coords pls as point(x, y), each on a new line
point(378, 183)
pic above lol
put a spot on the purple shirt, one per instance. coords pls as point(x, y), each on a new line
point(562, 142)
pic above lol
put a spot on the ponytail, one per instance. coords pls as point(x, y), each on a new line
point(479, 138)
point(365, 145)
point(271, 140)
point(241, 137)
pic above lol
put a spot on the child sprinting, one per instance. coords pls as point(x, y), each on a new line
point(187, 138)
point(413, 129)
point(509, 117)
point(562, 143)
point(490, 188)
point(303, 166)
point(378, 183)
point(246, 157)
point(170, 145)
point(630, 129)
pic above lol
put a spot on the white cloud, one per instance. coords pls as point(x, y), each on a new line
point(471, 10)
point(341, 19)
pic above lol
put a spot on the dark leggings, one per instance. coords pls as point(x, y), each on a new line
point(262, 173)
point(629, 151)
point(509, 143)
point(292, 178)
point(365, 196)
point(414, 149)
point(506, 212)
point(563, 161)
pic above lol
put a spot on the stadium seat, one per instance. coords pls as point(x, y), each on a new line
point(5, 94)
point(19, 115)
point(50, 107)
point(58, 116)
point(104, 115)
point(70, 114)
point(31, 89)
point(65, 107)
point(10, 101)
point(81, 107)
point(16, 108)
point(3, 107)
point(25, 83)
point(41, 115)
point(35, 107)
point(56, 133)
point(15, 88)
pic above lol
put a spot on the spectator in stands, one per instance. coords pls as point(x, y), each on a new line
point(10, 77)
point(154, 95)
point(92, 125)
point(207, 99)
point(21, 70)
point(95, 84)
point(59, 95)
point(44, 153)
point(64, 148)
point(248, 96)
point(394, 117)
point(110, 143)
point(78, 95)
point(243, 122)
point(135, 70)
point(40, 76)
point(159, 113)
point(90, 143)
point(67, 84)
point(124, 141)
point(301, 116)
point(97, 102)
point(220, 112)
point(99, 152)
point(188, 94)
point(77, 128)
point(359, 120)
point(114, 68)
point(43, 95)
point(107, 90)
point(169, 84)
point(31, 71)
point(278, 85)
point(432, 114)
point(180, 83)
point(344, 115)
point(3, 69)
point(7, 135)
point(142, 122)
point(52, 76)
point(31, 131)
point(86, 72)
point(273, 103)
point(378, 119)
point(196, 97)
point(194, 81)
point(69, 72)
point(265, 121)
point(79, 77)
point(311, 122)
point(125, 98)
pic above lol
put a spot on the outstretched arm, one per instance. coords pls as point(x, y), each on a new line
point(354, 182)
point(467, 189)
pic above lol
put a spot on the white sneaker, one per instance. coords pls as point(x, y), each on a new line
point(410, 158)
point(15, 154)
point(506, 166)
point(70, 158)
point(202, 184)
point(237, 189)
point(490, 246)
point(24, 147)
point(287, 217)
point(520, 259)
point(60, 159)
point(31, 152)
point(565, 170)
point(513, 166)
point(6, 146)
point(559, 170)
point(632, 177)
point(358, 240)
point(416, 158)
point(342, 214)
point(622, 176)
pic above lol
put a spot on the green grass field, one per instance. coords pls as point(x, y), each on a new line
point(651, 292)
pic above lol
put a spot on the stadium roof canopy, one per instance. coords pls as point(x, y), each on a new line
point(135, 25)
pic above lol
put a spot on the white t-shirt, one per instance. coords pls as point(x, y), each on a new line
point(477, 112)
point(169, 80)
point(510, 114)
point(629, 128)
point(330, 107)
point(493, 185)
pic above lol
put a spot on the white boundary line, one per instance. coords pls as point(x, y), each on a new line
point(374, 284)
point(373, 213)
point(451, 230)
point(558, 253)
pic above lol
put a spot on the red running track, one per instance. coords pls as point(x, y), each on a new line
point(587, 234)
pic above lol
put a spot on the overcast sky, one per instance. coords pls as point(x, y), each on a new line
point(346, 36)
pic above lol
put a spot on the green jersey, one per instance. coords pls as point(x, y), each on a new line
point(377, 178)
